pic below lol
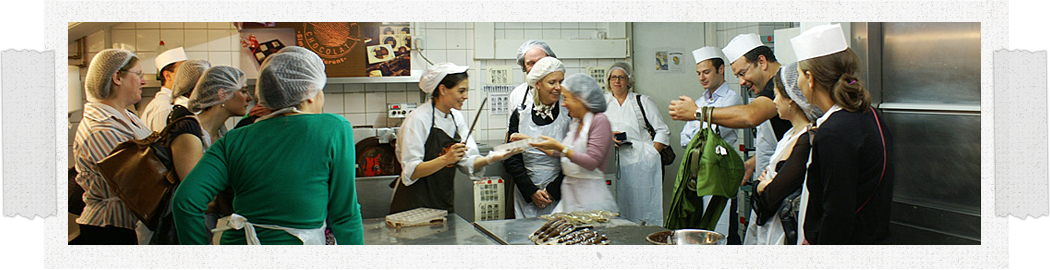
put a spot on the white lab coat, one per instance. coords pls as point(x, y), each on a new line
point(156, 112)
point(639, 184)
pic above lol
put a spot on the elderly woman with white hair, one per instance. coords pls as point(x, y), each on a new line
point(786, 171)
point(303, 184)
point(114, 81)
point(585, 150)
point(639, 174)
point(536, 175)
point(434, 140)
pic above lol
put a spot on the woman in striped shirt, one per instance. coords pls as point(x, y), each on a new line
point(114, 82)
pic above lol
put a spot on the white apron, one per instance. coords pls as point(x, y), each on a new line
point(237, 222)
point(542, 169)
point(805, 189)
point(772, 233)
point(582, 189)
point(639, 189)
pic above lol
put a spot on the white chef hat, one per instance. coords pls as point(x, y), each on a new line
point(542, 68)
point(708, 52)
point(433, 75)
point(170, 56)
point(819, 41)
point(216, 86)
point(740, 45)
point(187, 76)
point(289, 77)
point(100, 72)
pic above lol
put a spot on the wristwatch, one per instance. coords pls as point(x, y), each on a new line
point(699, 113)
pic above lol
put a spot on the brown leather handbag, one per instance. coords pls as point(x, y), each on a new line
point(142, 174)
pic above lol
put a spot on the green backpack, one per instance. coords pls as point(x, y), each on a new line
point(709, 166)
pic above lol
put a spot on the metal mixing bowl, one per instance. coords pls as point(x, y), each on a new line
point(698, 237)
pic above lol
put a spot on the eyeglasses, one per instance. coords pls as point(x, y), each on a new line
point(139, 73)
point(744, 70)
point(622, 78)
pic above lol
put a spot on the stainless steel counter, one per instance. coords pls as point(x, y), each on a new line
point(516, 231)
point(455, 231)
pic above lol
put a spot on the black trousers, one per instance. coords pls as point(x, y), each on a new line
point(108, 235)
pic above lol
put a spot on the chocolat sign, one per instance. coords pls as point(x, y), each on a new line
point(348, 48)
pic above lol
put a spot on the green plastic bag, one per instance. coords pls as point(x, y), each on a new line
point(718, 170)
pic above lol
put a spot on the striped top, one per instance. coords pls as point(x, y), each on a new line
point(101, 129)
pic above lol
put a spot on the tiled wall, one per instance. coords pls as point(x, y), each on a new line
point(361, 103)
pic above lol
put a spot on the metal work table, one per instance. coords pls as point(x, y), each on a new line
point(455, 231)
point(517, 231)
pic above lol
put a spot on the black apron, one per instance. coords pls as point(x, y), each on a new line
point(435, 190)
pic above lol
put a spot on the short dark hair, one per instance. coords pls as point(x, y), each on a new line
point(169, 68)
point(752, 56)
point(717, 62)
point(450, 80)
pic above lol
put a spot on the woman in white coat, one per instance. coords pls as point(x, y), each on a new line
point(639, 178)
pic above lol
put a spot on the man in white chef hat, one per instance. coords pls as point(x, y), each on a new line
point(156, 112)
point(754, 64)
point(710, 70)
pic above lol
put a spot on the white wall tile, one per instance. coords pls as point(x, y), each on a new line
point(588, 25)
point(514, 34)
point(458, 57)
point(196, 25)
point(456, 39)
point(148, 62)
point(147, 40)
point(549, 34)
point(396, 97)
point(514, 25)
point(332, 88)
point(570, 33)
point(196, 40)
point(533, 34)
point(533, 25)
point(356, 119)
point(375, 87)
point(333, 103)
point(197, 55)
point(220, 59)
point(376, 119)
point(396, 87)
point(96, 42)
point(499, 34)
point(171, 25)
point(219, 25)
point(124, 25)
point(500, 25)
point(235, 59)
point(173, 38)
point(147, 25)
point(354, 87)
point(375, 102)
point(354, 102)
point(126, 38)
point(219, 40)
point(436, 39)
point(455, 25)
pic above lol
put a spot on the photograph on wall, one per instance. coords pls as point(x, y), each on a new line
point(389, 49)
point(661, 60)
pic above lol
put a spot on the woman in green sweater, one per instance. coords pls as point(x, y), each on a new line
point(292, 171)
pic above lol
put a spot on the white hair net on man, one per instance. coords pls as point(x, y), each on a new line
point(529, 45)
point(626, 70)
point(542, 68)
point(587, 91)
point(289, 77)
point(187, 76)
point(789, 77)
point(100, 72)
point(216, 86)
point(436, 73)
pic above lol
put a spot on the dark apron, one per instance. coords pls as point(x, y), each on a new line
point(435, 190)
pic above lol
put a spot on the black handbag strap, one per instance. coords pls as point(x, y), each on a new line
point(649, 127)
point(884, 157)
point(164, 132)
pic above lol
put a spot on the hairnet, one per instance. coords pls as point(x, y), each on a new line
point(626, 70)
point(542, 68)
point(216, 86)
point(187, 76)
point(586, 89)
point(529, 45)
point(433, 75)
point(289, 77)
point(100, 72)
point(789, 76)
